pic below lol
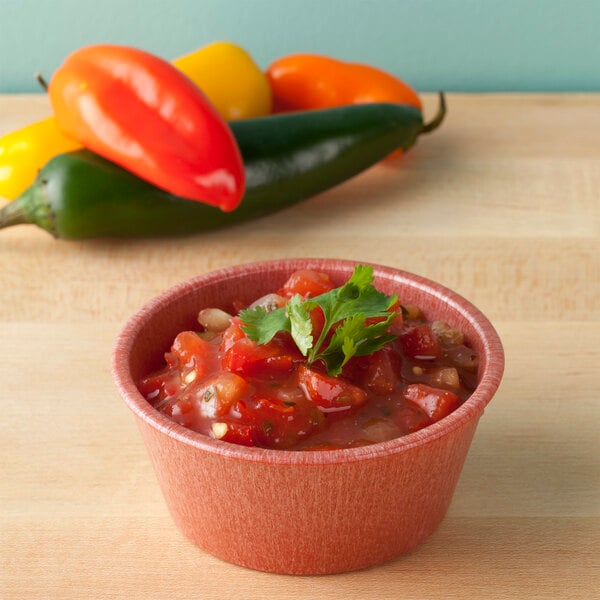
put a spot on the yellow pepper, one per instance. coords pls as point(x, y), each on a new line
point(225, 72)
point(24, 152)
point(230, 79)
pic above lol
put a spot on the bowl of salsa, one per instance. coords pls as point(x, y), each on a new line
point(308, 416)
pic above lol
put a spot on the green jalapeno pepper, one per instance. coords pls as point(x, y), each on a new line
point(287, 158)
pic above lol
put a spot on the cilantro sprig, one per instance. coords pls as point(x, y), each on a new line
point(346, 332)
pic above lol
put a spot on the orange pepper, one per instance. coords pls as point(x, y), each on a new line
point(310, 81)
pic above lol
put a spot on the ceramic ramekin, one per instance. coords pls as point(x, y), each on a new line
point(297, 512)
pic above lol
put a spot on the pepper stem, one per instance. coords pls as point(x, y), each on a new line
point(42, 81)
point(14, 213)
point(439, 117)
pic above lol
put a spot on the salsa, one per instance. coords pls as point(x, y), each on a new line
point(256, 377)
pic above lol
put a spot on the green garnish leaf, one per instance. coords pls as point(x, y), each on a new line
point(354, 338)
point(300, 324)
point(261, 325)
point(345, 333)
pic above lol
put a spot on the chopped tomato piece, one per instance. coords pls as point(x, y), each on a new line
point(180, 411)
point(235, 433)
point(161, 385)
point(232, 334)
point(410, 419)
point(317, 320)
point(307, 283)
point(217, 394)
point(286, 343)
point(179, 408)
point(381, 371)
point(193, 353)
point(252, 360)
point(330, 394)
point(434, 402)
point(420, 342)
point(397, 324)
point(276, 423)
point(284, 424)
point(171, 360)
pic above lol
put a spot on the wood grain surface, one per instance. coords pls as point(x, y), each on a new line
point(502, 204)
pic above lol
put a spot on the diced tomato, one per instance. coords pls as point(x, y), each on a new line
point(307, 283)
point(232, 334)
point(217, 394)
point(274, 428)
point(434, 402)
point(330, 394)
point(397, 324)
point(235, 433)
point(381, 371)
point(420, 342)
point(180, 409)
point(317, 319)
point(281, 424)
point(171, 360)
point(193, 353)
point(286, 343)
point(410, 418)
point(276, 423)
point(161, 385)
point(248, 359)
point(281, 408)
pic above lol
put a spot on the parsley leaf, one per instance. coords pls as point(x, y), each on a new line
point(300, 324)
point(345, 331)
point(261, 325)
point(354, 338)
point(357, 295)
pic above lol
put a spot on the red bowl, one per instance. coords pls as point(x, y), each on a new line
point(302, 512)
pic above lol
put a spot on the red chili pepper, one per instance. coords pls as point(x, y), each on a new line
point(140, 112)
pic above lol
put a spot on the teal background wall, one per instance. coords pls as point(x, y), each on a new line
point(456, 45)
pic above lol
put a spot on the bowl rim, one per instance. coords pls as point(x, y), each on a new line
point(472, 408)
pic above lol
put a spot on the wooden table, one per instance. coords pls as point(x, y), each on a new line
point(502, 204)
